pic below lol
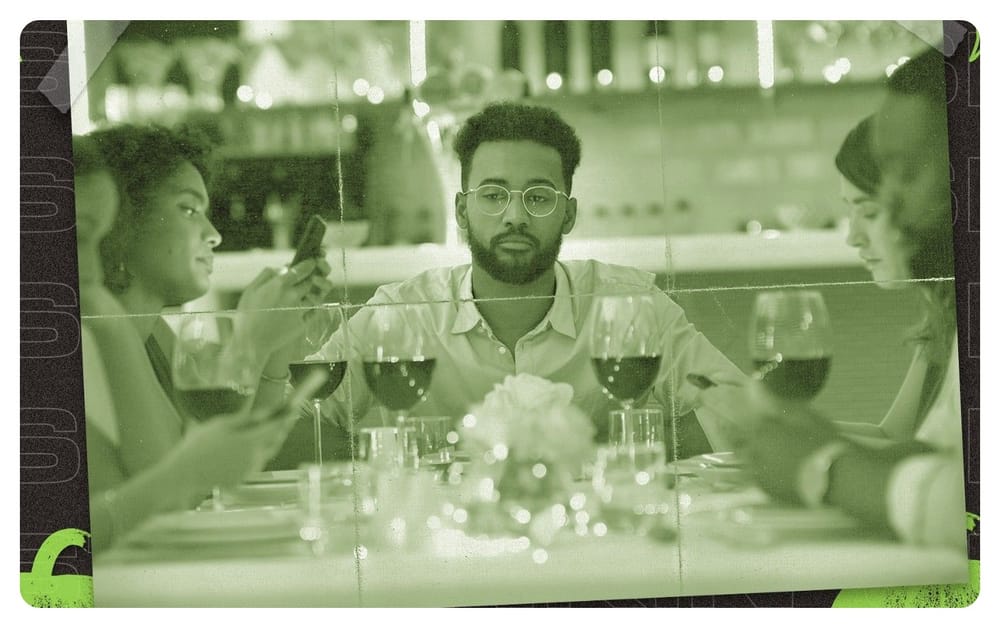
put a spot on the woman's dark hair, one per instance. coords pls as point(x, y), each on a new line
point(930, 232)
point(141, 158)
point(855, 160)
point(507, 121)
point(87, 158)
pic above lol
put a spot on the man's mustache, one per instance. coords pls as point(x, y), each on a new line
point(514, 234)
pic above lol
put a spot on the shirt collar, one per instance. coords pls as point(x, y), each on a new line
point(560, 316)
point(468, 316)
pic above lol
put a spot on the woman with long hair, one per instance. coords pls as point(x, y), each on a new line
point(874, 232)
point(914, 488)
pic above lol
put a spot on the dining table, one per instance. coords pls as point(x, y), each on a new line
point(415, 540)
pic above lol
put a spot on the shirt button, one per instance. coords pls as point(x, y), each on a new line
point(502, 349)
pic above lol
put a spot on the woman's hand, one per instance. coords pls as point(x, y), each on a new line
point(224, 450)
point(732, 402)
point(772, 435)
point(276, 303)
point(779, 444)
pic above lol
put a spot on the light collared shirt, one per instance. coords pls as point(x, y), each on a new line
point(926, 493)
point(470, 360)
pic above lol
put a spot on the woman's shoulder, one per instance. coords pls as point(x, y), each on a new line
point(942, 425)
point(99, 407)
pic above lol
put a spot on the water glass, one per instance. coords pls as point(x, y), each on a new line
point(380, 447)
point(640, 436)
point(331, 493)
point(428, 441)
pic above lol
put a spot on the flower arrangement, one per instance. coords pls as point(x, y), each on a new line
point(528, 441)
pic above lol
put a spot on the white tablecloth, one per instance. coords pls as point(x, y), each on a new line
point(571, 568)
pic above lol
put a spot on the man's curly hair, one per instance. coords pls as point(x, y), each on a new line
point(507, 121)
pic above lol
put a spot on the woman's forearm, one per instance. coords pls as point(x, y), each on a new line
point(116, 513)
point(859, 480)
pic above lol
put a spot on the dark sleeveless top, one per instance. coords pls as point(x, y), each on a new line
point(163, 371)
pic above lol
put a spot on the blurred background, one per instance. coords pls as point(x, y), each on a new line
point(707, 150)
point(687, 127)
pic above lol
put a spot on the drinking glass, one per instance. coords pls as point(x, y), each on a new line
point(632, 499)
point(425, 442)
point(624, 346)
point(397, 361)
point(331, 493)
point(212, 369)
point(640, 437)
point(791, 343)
point(379, 446)
point(333, 365)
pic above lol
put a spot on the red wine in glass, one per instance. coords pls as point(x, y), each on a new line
point(205, 403)
point(794, 379)
point(213, 369)
point(627, 378)
point(334, 371)
point(399, 384)
point(791, 343)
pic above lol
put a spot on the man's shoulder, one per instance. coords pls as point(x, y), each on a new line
point(592, 275)
point(430, 285)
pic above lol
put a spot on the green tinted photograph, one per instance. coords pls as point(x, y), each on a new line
point(478, 313)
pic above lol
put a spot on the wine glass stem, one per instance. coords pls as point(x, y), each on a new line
point(317, 431)
point(628, 430)
point(402, 442)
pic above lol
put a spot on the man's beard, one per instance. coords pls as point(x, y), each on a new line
point(516, 273)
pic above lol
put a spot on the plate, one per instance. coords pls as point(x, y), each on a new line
point(275, 494)
point(194, 528)
point(719, 460)
point(720, 468)
point(289, 476)
point(766, 524)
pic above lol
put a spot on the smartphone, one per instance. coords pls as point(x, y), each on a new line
point(311, 244)
point(700, 381)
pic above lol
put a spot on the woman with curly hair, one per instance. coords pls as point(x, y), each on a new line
point(159, 254)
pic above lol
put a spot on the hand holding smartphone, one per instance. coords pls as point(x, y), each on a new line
point(700, 381)
point(311, 244)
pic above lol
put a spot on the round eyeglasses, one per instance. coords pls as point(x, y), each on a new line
point(539, 200)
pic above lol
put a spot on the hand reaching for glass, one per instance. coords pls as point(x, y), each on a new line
point(731, 401)
point(773, 436)
point(778, 447)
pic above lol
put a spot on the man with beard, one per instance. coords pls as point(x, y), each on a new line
point(516, 308)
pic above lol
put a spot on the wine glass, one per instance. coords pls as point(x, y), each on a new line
point(397, 362)
point(791, 343)
point(624, 347)
point(212, 369)
point(332, 363)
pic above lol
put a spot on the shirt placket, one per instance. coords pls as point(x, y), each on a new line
point(526, 361)
point(503, 355)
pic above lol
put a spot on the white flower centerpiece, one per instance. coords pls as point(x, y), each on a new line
point(526, 443)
